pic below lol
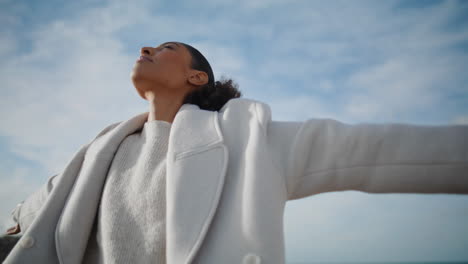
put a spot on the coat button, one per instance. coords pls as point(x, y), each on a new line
point(27, 242)
point(251, 259)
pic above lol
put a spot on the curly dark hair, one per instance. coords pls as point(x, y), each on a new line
point(213, 95)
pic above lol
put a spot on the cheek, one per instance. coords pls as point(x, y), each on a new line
point(167, 69)
point(172, 67)
point(171, 60)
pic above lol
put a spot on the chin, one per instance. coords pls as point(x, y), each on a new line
point(140, 74)
point(137, 83)
point(134, 77)
point(140, 92)
point(136, 74)
point(138, 78)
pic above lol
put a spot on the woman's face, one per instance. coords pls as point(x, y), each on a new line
point(164, 67)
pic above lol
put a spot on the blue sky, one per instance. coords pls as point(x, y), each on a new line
point(65, 74)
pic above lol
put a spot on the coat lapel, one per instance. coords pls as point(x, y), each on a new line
point(78, 215)
point(196, 167)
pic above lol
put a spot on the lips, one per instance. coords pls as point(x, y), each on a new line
point(143, 58)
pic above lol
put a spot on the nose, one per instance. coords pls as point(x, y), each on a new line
point(146, 51)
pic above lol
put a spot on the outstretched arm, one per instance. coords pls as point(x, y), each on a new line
point(325, 155)
point(26, 211)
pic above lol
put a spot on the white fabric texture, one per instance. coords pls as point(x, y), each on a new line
point(133, 204)
point(229, 175)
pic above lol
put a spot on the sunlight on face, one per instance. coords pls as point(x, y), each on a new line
point(163, 67)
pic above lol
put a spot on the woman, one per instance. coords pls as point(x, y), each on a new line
point(203, 177)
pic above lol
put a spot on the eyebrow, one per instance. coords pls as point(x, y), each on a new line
point(170, 43)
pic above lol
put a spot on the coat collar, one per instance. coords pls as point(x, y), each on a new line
point(196, 167)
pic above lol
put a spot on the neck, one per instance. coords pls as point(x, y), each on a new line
point(163, 107)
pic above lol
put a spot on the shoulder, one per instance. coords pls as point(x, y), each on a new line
point(107, 129)
point(243, 107)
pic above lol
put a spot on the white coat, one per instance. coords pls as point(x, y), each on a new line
point(230, 173)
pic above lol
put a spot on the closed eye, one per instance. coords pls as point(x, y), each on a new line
point(169, 47)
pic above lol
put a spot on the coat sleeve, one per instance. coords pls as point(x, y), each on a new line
point(26, 211)
point(325, 155)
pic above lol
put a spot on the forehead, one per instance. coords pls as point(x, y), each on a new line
point(179, 47)
point(171, 42)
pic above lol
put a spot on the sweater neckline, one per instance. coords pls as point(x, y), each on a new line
point(155, 126)
point(157, 122)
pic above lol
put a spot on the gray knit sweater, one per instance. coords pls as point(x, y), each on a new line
point(132, 210)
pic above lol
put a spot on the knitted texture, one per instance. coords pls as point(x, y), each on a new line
point(132, 211)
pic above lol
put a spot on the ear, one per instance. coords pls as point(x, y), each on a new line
point(198, 78)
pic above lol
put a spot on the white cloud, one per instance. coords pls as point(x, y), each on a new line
point(382, 64)
point(70, 86)
point(397, 86)
point(348, 61)
point(223, 59)
point(461, 120)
